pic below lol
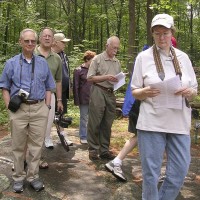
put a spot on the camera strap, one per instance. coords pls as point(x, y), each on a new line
point(32, 72)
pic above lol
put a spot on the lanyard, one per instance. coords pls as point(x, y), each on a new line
point(159, 65)
point(160, 69)
point(32, 72)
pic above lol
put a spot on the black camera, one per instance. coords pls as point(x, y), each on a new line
point(16, 100)
point(62, 121)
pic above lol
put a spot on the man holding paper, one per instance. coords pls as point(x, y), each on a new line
point(102, 72)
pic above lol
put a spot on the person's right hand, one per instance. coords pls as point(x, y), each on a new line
point(111, 78)
point(150, 92)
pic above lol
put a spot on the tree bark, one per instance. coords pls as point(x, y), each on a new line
point(131, 35)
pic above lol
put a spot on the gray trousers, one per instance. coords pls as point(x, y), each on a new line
point(102, 108)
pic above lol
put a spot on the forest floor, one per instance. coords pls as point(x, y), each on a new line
point(72, 176)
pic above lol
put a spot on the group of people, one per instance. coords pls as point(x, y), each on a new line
point(161, 128)
point(43, 73)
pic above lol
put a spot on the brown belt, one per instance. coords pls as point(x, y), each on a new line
point(29, 102)
point(104, 88)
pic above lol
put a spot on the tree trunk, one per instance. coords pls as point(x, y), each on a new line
point(6, 30)
point(131, 35)
point(149, 19)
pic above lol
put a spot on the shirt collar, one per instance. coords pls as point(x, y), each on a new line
point(105, 55)
point(38, 52)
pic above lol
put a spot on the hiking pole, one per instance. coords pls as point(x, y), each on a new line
point(61, 121)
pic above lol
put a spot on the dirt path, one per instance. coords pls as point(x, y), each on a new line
point(72, 176)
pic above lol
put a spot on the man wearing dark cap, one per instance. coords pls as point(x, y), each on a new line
point(58, 47)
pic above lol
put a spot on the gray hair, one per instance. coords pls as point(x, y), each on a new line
point(111, 39)
point(48, 28)
point(25, 30)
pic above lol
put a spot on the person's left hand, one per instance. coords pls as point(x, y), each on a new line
point(185, 92)
point(59, 106)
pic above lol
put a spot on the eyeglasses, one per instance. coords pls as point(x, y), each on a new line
point(159, 35)
point(30, 41)
point(47, 36)
point(114, 47)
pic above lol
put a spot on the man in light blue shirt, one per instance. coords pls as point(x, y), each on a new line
point(27, 74)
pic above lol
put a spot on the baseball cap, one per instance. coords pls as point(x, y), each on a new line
point(61, 37)
point(162, 20)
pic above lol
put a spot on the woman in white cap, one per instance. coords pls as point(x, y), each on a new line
point(164, 120)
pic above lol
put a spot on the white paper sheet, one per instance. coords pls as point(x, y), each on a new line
point(167, 98)
point(121, 81)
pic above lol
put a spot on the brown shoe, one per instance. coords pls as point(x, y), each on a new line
point(93, 155)
point(107, 156)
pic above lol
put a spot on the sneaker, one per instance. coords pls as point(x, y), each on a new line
point(118, 173)
point(83, 141)
point(37, 185)
point(109, 166)
point(116, 170)
point(93, 155)
point(107, 156)
point(18, 186)
point(48, 143)
point(69, 142)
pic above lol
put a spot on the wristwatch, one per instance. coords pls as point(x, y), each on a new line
point(49, 107)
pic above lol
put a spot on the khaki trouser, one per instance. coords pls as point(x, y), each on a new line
point(51, 116)
point(28, 126)
point(101, 115)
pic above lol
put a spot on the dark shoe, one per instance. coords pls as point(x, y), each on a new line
point(107, 156)
point(37, 185)
point(116, 170)
point(18, 186)
point(93, 155)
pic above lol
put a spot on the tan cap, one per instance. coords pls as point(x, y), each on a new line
point(163, 20)
point(61, 37)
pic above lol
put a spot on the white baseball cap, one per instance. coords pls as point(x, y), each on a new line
point(61, 37)
point(163, 20)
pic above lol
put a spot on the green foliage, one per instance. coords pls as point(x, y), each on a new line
point(73, 111)
point(76, 57)
point(3, 112)
point(90, 23)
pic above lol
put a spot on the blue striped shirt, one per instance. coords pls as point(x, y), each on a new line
point(12, 80)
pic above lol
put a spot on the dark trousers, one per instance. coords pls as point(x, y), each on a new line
point(101, 115)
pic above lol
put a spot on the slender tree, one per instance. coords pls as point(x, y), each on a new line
point(131, 35)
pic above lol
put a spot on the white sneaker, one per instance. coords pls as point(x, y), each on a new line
point(48, 143)
point(69, 142)
point(83, 141)
point(116, 170)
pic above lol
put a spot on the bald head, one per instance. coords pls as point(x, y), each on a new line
point(112, 46)
point(112, 39)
